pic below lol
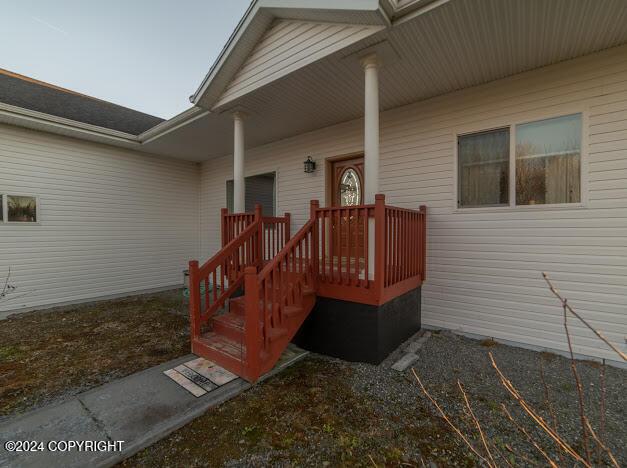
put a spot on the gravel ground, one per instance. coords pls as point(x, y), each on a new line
point(327, 412)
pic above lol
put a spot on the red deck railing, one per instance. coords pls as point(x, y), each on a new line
point(370, 253)
point(276, 230)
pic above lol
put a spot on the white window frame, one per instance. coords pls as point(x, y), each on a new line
point(5, 208)
point(511, 124)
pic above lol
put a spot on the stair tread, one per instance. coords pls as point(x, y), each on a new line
point(236, 321)
point(223, 344)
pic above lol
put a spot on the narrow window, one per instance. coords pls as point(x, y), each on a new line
point(548, 161)
point(258, 189)
point(483, 169)
point(21, 209)
point(1, 208)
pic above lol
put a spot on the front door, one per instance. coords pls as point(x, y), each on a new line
point(347, 190)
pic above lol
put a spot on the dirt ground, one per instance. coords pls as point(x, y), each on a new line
point(51, 354)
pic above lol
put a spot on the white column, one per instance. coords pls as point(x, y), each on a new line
point(371, 146)
point(371, 128)
point(239, 190)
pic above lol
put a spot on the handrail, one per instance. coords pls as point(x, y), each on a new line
point(279, 285)
point(226, 269)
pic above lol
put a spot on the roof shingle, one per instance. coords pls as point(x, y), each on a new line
point(21, 91)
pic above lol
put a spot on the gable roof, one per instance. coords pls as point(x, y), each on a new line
point(259, 18)
point(28, 93)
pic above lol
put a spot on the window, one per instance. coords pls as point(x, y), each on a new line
point(258, 189)
point(546, 160)
point(484, 168)
point(18, 208)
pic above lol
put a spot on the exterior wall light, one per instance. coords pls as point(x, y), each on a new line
point(310, 165)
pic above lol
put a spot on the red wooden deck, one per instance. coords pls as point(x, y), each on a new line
point(367, 254)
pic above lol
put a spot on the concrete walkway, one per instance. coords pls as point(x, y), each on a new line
point(139, 409)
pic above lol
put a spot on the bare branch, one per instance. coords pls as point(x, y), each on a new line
point(534, 415)
point(573, 366)
point(6, 284)
point(581, 319)
point(602, 404)
point(547, 400)
point(529, 438)
point(476, 421)
point(445, 417)
point(601, 444)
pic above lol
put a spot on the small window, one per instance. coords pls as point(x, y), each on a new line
point(1, 208)
point(21, 209)
point(483, 171)
point(548, 161)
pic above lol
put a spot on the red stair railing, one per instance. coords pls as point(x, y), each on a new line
point(276, 233)
point(222, 274)
point(277, 292)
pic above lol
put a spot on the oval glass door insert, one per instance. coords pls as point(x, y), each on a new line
point(350, 188)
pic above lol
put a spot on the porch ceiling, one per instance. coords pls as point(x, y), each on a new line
point(460, 44)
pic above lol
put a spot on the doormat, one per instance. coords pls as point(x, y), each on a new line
point(201, 376)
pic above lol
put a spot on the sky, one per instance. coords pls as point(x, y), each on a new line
point(149, 55)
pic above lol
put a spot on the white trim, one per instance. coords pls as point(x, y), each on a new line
point(186, 117)
point(28, 115)
point(511, 124)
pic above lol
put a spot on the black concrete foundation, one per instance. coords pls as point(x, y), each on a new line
point(360, 332)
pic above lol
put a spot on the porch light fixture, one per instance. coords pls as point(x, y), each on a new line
point(310, 165)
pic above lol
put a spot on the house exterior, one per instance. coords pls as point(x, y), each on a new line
point(506, 119)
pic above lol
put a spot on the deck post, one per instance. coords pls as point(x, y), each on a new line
point(258, 246)
point(379, 245)
point(423, 243)
point(194, 299)
point(223, 214)
point(288, 227)
point(252, 338)
point(315, 247)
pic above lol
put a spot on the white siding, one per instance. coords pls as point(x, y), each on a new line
point(484, 267)
point(287, 46)
point(111, 220)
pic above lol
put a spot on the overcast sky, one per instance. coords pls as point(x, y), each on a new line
point(149, 55)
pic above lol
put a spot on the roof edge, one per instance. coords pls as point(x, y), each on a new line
point(29, 117)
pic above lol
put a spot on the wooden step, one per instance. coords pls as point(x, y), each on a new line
point(237, 308)
point(231, 325)
point(225, 352)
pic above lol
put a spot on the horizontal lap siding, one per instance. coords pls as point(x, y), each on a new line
point(111, 220)
point(289, 45)
point(484, 267)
